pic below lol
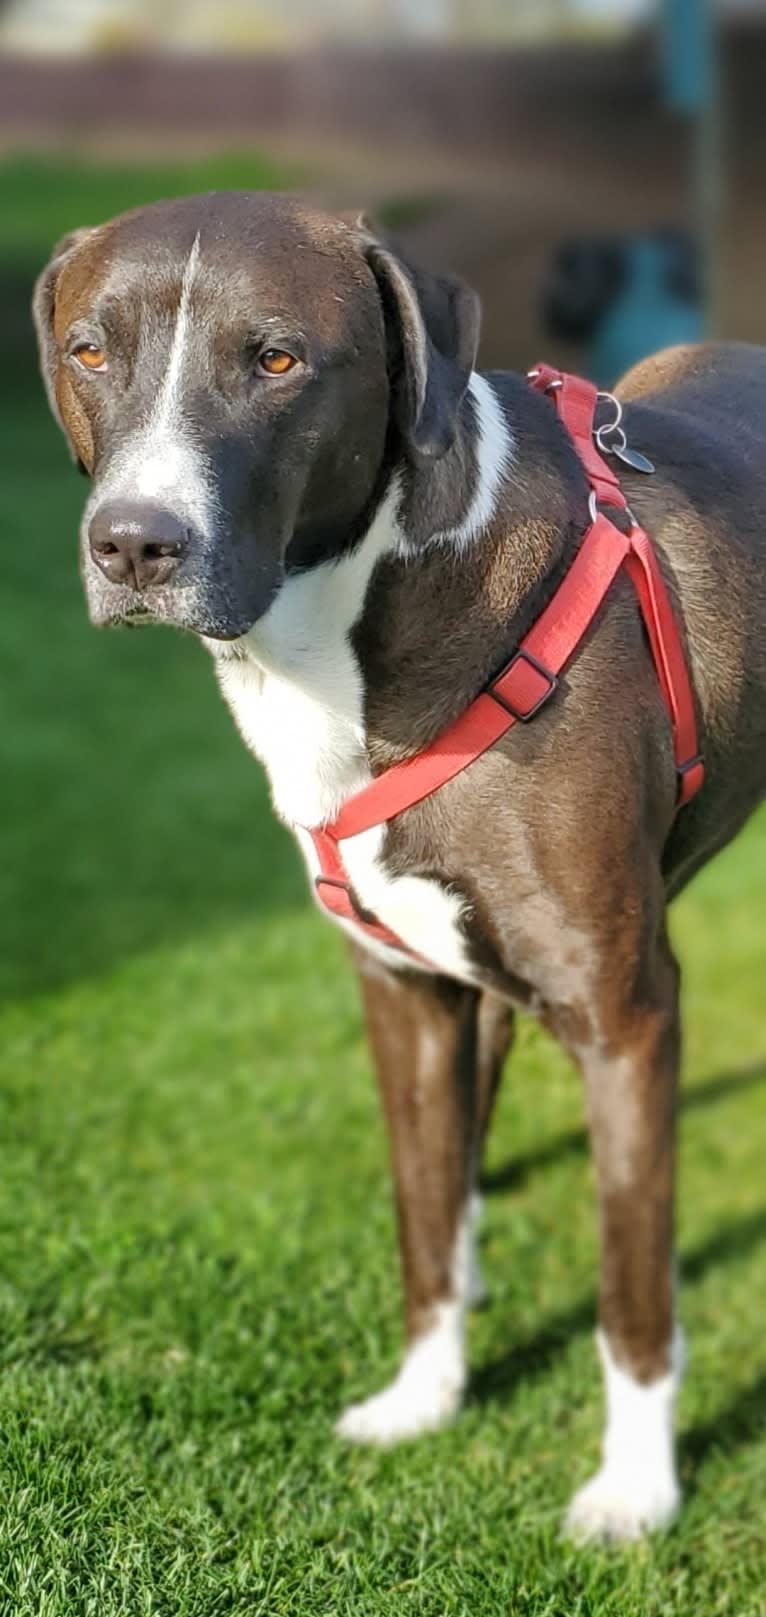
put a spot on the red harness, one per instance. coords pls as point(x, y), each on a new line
point(530, 678)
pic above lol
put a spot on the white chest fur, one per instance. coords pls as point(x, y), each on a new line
point(295, 689)
point(297, 698)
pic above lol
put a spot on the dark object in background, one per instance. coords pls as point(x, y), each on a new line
point(624, 297)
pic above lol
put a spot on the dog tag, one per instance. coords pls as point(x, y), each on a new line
point(634, 459)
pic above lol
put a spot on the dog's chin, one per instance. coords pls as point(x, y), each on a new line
point(123, 609)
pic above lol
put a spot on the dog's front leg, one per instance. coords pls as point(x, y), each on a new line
point(630, 1072)
point(429, 1050)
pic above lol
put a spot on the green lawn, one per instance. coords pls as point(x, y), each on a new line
point(196, 1246)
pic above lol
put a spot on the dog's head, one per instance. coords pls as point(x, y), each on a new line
point(238, 374)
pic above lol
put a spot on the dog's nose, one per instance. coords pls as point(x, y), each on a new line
point(138, 544)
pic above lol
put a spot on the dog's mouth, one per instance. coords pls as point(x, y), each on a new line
point(179, 610)
point(134, 620)
point(211, 604)
point(130, 614)
point(209, 590)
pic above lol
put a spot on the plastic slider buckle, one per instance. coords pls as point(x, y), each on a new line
point(688, 786)
point(335, 896)
point(332, 881)
point(550, 685)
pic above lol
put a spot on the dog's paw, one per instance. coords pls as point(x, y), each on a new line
point(400, 1411)
point(425, 1394)
point(622, 1504)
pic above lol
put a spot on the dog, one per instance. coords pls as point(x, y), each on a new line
point(293, 456)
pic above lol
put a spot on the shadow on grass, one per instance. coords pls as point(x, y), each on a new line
point(512, 1174)
point(534, 1355)
point(740, 1421)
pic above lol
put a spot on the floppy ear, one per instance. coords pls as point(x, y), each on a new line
point(43, 309)
point(432, 322)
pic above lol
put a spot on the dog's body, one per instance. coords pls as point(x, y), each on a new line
point(362, 545)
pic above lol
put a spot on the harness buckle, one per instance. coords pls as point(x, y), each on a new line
point(690, 774)
point(340, 901)
point(335, 895)
point(531, 698)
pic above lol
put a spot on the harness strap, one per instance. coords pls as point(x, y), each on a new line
point(518, 693)
point(530, 678)
point(575, 401)
point(333, 888)
point(643, 569)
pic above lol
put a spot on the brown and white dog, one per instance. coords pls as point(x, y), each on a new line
point(292, 456)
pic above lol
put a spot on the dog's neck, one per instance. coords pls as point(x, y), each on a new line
point(437, 626)
point(365, 658)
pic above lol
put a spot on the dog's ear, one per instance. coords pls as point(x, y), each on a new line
point(432, 326)
point(43, 310)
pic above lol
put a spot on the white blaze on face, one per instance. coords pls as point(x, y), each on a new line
point(163, 466)
point(162, 461)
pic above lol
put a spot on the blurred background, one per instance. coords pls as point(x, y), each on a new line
point(536, 146)
point(196, 1243)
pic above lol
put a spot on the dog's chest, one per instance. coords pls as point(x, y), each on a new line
point(313, 755)
point(307, 729)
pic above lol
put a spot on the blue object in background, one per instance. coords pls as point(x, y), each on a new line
point(650, 313)
point(623, 298)
point(688, 54)
point(690, 82)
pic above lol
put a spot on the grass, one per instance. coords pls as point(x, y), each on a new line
point(196, 1243)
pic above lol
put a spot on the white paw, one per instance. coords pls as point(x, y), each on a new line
point(398, 1412)
point(622, 1504)
point(425, 1394)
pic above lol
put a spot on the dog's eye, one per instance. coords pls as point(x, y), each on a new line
point(276, 361)
point(90, 356)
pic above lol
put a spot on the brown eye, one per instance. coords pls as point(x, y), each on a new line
point(91, 356)
point(276, 361)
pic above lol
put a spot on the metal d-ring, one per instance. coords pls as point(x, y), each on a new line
point(551, 386)
point(608, 429)
point(610, 439)
point(619, 442)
